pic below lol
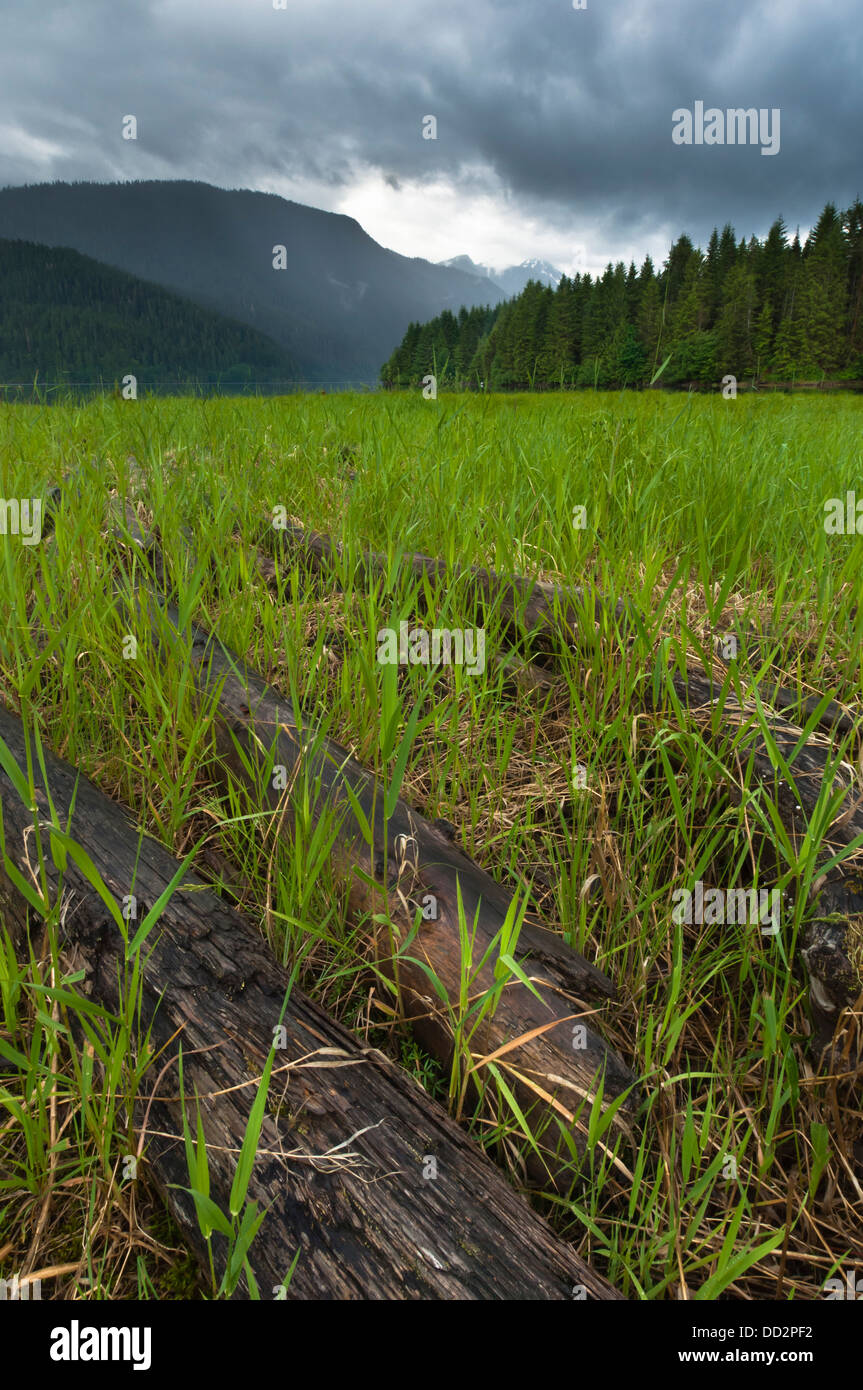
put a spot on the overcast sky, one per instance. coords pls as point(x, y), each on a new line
point(554, 125)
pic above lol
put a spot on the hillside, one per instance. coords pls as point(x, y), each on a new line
point(339, 307)
point(65, 317)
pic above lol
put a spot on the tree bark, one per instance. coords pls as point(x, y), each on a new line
point(832, 949)
point(543, 1048)
point(344, 1158)
point(532, 608)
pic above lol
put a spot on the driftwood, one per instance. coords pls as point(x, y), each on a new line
point(757, 650)
point(543, 614)
point(537, 1038)
point(533, 608)
point(544, 1048)
point(365, 1176)
point(832, 948)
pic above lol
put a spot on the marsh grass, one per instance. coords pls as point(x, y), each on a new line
point(705, 514)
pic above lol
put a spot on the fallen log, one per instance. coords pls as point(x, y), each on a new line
point(516, 673)
point(533, 608)
point(756, 650)
point(404, 874)
point(535, 1047)
point(359, 1171)
point(832, 949)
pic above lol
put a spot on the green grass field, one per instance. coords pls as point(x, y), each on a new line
point(706, 514)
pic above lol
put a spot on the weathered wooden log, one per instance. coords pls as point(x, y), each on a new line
point(832, 949)
point(554, 1062)
point(756, 651)
point(833, 717)
point(524, 676)
point(543, 613)
point(517, 674)
point(533, 608)
point(363, 1176)
point(405, 871)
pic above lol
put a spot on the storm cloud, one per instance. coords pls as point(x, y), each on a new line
point(554, 124)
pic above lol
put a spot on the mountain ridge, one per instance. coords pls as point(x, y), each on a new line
point(67, 317)
point(513, 279)
point(339, 307)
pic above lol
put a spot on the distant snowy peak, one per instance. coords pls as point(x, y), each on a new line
point(538, 270)
point(512, 280)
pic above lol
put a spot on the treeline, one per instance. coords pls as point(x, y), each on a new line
point(770, 310)
point(65, 317)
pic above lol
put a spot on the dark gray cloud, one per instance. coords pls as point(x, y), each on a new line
point(561, 116)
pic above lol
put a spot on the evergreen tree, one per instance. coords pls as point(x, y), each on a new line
point(773, 308)
point(763, 339)
point(557, 359)
point(649, 322)
point(823, 291)
point(736, 327)
point(772, 273)
point(630, 358)
point(852, 225)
